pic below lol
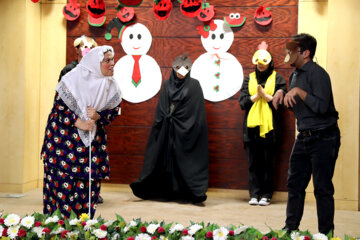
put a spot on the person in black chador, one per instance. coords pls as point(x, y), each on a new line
point(261, 124)
point(177, 158)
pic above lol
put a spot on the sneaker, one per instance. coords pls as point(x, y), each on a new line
point(253, 201)
point(264, 201)
point(100, 200)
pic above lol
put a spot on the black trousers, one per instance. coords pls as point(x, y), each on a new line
point(260, 155)
point(315, 154)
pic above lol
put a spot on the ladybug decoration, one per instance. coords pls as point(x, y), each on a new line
point(71, 10)
point(263, 16)
point(162, 9)
point(126, 14)
point(96, 10)
point(129, 3)
point(206, 13)
point(234, 20)
point(190, 8)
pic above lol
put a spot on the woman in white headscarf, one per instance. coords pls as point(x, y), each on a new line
point(87, 99)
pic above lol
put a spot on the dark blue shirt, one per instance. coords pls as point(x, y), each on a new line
point(318, 110)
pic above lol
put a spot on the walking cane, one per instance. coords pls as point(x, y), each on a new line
point(89, 213)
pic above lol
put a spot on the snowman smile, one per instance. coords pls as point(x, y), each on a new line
point(216, 48)
point(136, 48)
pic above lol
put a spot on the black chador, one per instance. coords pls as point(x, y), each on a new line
point(176, 159)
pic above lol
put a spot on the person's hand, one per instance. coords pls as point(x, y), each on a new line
point(87, 125)
point(263, 94)
point(289, 99)
point(278, 98)
point(92, 114)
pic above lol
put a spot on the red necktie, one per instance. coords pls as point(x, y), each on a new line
point(136, 76)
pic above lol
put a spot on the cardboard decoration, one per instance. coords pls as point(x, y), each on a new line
point(204, 30)
point(206, 13)
point(138, 74)
point(162, 9)
point(263, 16)
point(190, 8)
point(126, 14)
point(114, 23)
point(234, 20)
point(129, 3)
point(96, 12)
point(71, 10)
point(220, 74)
point(262, 55)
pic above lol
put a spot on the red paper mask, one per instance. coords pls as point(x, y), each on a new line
point(162, 9)
point(206, 13)
point(126, 14)
point(96, 8)
point(190, 8)
point(130, 3)
point(263, 16)
point(234, 20)
point(71, 10)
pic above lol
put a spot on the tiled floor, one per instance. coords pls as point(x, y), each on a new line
point(219, 208)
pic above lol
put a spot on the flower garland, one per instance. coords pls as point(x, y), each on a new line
point(40, 226)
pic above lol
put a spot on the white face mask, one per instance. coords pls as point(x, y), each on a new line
point(182, 71)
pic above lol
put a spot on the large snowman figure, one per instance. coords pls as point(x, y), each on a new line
point(137, 74)
point(220, 74)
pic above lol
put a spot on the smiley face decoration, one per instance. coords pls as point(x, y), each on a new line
point(126, 14)
point(220, 74)
point(162, 9)
point(96, 10)
point(206, 13)
point(263, 16)
point(190, 8)
point(71, 10)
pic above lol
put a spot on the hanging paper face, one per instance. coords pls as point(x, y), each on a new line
point(263, 16)
point(129, 3)
point(234, 20)
point(162, 9)
point(291, 52)
point(126, 14)
point(71, 10)
point(96, 10)
point(206, 13)
point(190, 8)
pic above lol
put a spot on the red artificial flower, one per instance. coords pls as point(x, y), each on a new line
point(274, 238)
point(204, 30)
point(103, 227)
point(103, 238)
point(4, 233)
point(231, 233)
point(117, 229)
point(46, 230)
point(143, 229)
point(61, 222)
point(130, 238)
point(64, 233)
point(209, 234)
point(83, 223)
point(2, 220)
point(21, 233)
point(264, 238)
point(306, 238)
point(153, 237)
point(161, 230)
point(185, 232)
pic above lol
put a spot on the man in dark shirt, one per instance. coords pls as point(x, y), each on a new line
point(317, 145)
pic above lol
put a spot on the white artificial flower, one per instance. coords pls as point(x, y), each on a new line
point(296, 236)
point(152, 228)
point(89, 224)
point(320, 236)
point(1, 229)
point(163, 237)
point(38, 231)
point(143, 236)
point(12, 231)
point(100, 233)
point(187, 238)
point(54, 219)
point(220, 234)
point(74, 222)
point(57, 231)
point(132, 223)
point(28, 221)
point(240, 229)
point(11, 220)
point(115, 237)
point(177, 227)
point(194, 228)
point(109, 223)
point(72, 234)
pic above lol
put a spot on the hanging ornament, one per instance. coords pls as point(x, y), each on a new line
point(71, 10)
point(190, 8)
point(234, 20)
point(206, 13)
point(263, 16)
point(162, 9)
point(126, 14)
point(129, 3)
point(115, 23)
point(96, 10)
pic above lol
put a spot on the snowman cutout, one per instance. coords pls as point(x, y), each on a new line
point(220, 74)
point(137, 74)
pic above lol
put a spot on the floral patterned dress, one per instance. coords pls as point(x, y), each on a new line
point(66, 166)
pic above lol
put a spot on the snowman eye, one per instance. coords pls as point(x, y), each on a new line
point(139, 36)
point(213, 36)
point(232, 15)
point(222, 36)
point(131, 36)
point(237, 15)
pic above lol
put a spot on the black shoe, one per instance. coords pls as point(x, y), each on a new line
point(289, 230)
point(100, 200)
